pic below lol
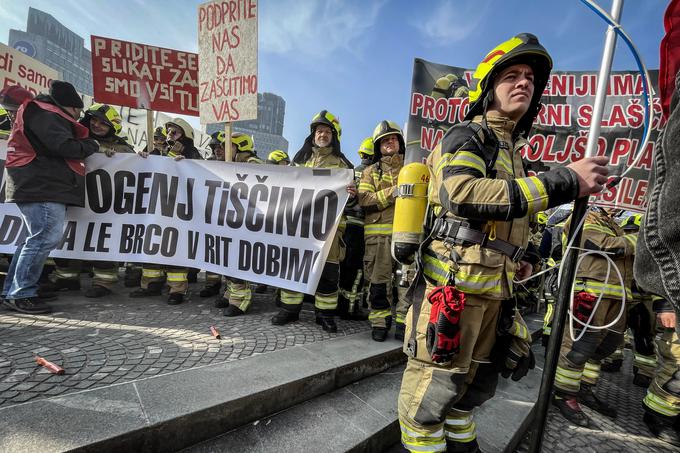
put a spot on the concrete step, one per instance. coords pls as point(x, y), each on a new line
point(360, 417)
point(176, 410)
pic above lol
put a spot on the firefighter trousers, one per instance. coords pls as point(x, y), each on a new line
point(641, 321)
point(379, 270)
point(580, 361)
point(105, 272)
point(351, 283)
point(326, 296)
point(175, 277)
point(238, 292)
point(436, 401)
point(663, 395)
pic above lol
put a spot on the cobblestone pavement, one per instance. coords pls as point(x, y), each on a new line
point(626, 433)
point(118, 339)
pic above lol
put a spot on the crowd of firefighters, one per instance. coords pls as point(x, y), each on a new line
point(485, 235)
point(359, 253)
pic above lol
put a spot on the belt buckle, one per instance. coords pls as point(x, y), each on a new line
point(519, 253)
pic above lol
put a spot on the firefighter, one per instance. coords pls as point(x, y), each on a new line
point(641, 321)
point(105, 126)
point(578, 369)
point(377, 192)
point(321, 150)
point(238, 295)
point(662, 402)
point(481, 202)
point(179, 146)
point(278, 157)
point(351, 268)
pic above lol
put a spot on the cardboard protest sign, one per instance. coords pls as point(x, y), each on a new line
point(144, 77)
point(227, 45)
point(17, 68)
point(560, 133)
point(261, 223)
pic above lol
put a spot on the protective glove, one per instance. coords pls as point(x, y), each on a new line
point(443, 332)
point(513, 354)
point(583, 306)
point(176, 150)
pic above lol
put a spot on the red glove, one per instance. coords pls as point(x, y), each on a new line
point(583, 306)
point(443, 333)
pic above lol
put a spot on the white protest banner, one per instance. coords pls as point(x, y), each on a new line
point(227, 62)
point(260, 223)
point(17, 68)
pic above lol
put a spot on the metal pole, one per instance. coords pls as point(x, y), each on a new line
point(569, 263)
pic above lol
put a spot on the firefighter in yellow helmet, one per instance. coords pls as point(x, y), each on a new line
point(238, 295)
point(377, 193)
point(352, 277)
point(481, 202)
point(278, 157)
point(179, 146)
point(105, 125)
point(321, 150)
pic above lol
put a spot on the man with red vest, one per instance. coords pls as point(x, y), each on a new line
point(45, 174)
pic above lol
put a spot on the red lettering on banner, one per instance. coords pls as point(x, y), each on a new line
point(142, 76)
point(430, 138)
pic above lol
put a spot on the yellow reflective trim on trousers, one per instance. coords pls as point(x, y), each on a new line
point(151, 273)
point(379, 314)
point(534, 193)
point(609, 290)
point(326, 301)
point(177, 276)
point(462, 159)
point(66, 275)
point(464, 436)
point(645, 359)
point(658, 404)
point(462, 421)
point(632, 239)
point(378, 229)
point(291, 297)
point(414, 440)
point(107, 277)
point(366, 187)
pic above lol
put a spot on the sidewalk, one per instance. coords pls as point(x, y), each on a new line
point(117, 339)
point(626, 433)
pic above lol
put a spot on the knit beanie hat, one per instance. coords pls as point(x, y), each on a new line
point(65, 94)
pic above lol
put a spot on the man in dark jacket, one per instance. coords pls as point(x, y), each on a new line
point(45, 174)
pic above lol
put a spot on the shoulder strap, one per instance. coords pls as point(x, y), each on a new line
point(467, 132)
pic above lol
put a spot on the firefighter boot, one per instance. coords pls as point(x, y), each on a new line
point(153, 289)
point(284, 316)
point(175, 298)
point(662, 427)
point(571, 410)
point(587, 396)
point(210, 289)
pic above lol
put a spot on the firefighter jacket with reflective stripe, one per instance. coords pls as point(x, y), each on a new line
point(377, 190)
point(498, 201)
point(602, 233)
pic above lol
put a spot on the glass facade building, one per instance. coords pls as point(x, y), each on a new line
point(51, 43)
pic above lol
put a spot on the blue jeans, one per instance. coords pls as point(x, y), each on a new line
point(45, 224)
